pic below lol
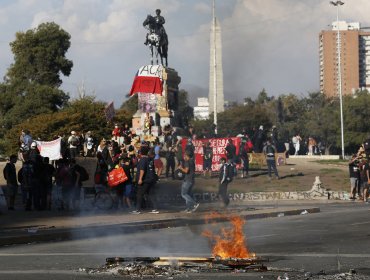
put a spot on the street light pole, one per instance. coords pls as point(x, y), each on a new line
point(337, 4)
point(214, 71)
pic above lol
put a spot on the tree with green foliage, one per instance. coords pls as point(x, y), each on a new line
point(31, 85)
point(84, 114)
point(356, 119)
point(130, 105)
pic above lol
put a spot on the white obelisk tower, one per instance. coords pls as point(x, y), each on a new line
point(216, 80)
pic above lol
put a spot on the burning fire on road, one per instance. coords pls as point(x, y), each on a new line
point(231, 242)
point(229, 253)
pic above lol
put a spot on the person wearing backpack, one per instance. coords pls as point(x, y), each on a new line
point(146, 179)
point(10, 175)
point(226, 175)
point(269, 150)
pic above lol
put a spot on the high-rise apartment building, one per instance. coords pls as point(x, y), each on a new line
point(355, 59)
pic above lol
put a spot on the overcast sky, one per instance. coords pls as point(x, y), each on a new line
point(271, 44)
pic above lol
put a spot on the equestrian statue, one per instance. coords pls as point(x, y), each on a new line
point(156, 38)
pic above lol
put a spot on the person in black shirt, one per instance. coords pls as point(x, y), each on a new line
point(170, 160)
point(365, 178)
point(145, 178)
point(225, 177)
point(354, 176)
point(48, 172)
point(10, 175)
point(269, 150)
point(127, 166)
point(207, 159)
point(230, 151)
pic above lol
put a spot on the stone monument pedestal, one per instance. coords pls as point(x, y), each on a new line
point(162, 108)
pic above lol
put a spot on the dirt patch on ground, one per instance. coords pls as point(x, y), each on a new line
point(297, 175)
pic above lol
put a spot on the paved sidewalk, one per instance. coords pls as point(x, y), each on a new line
point(20, 227)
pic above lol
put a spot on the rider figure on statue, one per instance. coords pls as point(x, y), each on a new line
point(159, 26)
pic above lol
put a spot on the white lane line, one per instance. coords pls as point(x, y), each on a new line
point(54, 254)
point(356, 224)
point(51, 272)
point(313, 255)
point(261, 236)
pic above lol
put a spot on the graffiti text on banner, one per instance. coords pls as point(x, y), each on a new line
point(218, 145)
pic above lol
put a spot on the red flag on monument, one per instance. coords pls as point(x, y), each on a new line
point(148, 80)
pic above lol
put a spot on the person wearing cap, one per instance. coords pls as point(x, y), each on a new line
point(73, 143)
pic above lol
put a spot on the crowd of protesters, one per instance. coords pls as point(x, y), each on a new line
point(142, 163)
point(359, 173)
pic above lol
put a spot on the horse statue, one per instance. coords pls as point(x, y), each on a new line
point(157, 40)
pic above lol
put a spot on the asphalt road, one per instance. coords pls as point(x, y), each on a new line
point(337, 239)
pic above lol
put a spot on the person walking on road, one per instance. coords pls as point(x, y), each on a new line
point(187, 185)
point(225, 177)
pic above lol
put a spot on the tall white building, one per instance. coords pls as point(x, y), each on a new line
point(216, 82)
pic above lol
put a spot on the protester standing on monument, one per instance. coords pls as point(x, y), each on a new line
point(188, 168)
point(10, 175)
point(269, 150)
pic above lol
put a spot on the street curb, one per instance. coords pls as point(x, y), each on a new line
point(133, 227)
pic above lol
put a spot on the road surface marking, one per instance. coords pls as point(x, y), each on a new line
point(313, 255)
point(356, 224)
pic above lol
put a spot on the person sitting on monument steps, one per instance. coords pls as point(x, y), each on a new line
point(269, 150)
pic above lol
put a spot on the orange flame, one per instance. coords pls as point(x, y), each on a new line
point(230, 243)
